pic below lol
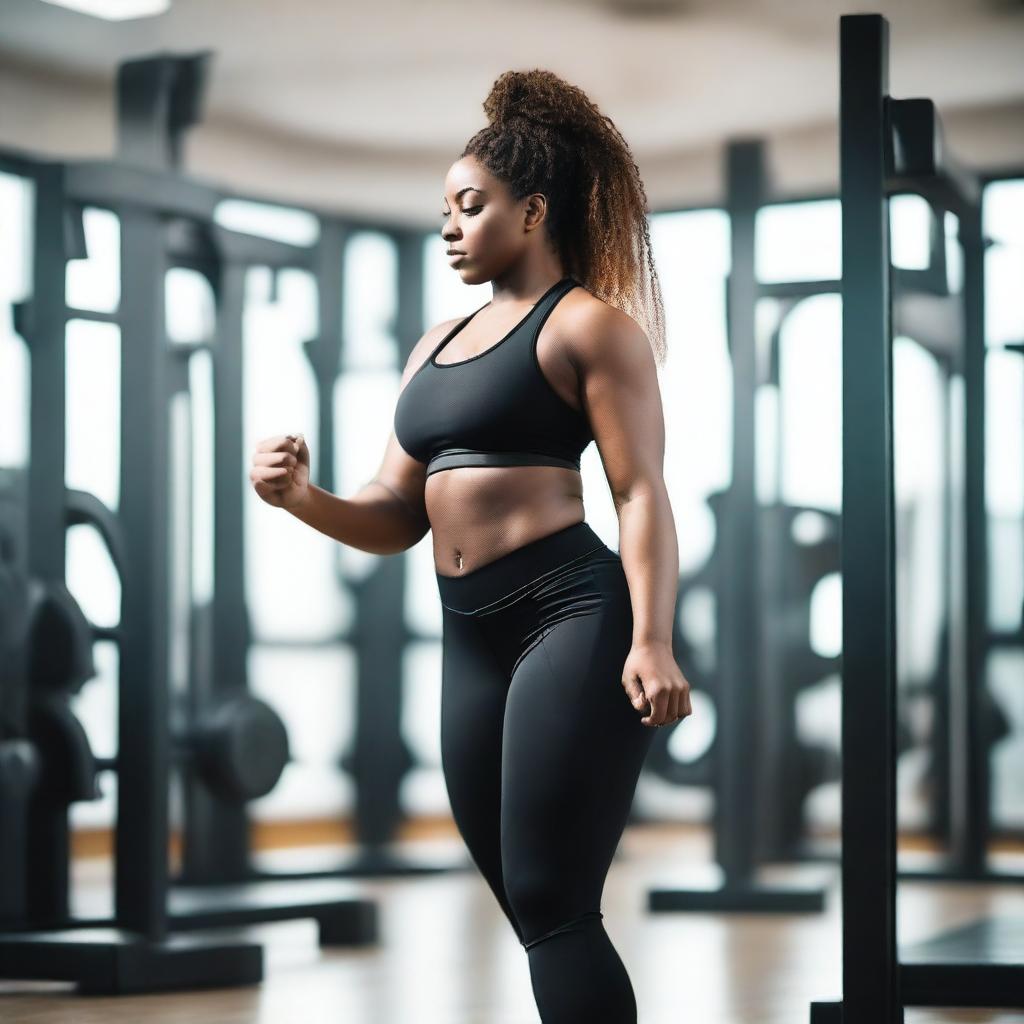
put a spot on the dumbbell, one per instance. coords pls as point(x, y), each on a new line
point(238, 747)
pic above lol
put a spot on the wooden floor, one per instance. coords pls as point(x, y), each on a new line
point(447, 955)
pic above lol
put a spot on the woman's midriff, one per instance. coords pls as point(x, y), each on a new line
point(479, 513)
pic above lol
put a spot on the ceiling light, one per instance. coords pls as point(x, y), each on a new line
point(114, 10)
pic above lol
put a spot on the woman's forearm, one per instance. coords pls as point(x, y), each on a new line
point(650, 557)
point(373, 520)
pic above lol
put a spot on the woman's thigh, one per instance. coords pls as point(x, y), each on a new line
point(572, 750)
point(473, 692)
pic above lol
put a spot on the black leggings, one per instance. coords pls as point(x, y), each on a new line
point(541, 751)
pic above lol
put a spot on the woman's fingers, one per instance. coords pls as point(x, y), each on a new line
point(268, 472)
point(279, 469)
point(658, 702)
point(671, 702)
point(669, 705)
point(275, 458)
point(264, 490)
point(283, 443)
point(658, 699)
point(274, 476)
point(635, 692)
point(273, 444)
point(672, 711)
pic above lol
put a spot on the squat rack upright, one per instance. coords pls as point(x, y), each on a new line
point(886, 146)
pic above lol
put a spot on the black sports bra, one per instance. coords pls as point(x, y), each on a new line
point(495, 408)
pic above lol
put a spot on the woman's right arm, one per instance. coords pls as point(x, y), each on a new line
point(388, 514)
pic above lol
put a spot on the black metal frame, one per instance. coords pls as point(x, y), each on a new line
point(167, 219)
point(975, 965)
point(753, 688)
point(945, 325)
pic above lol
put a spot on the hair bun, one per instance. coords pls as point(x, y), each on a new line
point(537, 95)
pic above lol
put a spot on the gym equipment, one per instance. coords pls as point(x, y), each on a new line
point(889, 145)
point(231, 747)
point(762, 580)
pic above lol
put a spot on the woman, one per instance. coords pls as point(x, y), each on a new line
point(557, 656)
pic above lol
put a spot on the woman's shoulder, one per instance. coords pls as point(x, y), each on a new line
point(590, 325)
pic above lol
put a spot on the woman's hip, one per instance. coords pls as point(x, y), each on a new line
point(554, 590)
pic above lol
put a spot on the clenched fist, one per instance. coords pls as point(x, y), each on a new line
point(280, 470)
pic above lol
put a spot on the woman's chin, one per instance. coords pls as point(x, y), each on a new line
point(468, 274)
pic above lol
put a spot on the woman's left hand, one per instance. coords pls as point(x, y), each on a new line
point(655, 684)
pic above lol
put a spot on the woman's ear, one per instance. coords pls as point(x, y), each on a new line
point(536, 210)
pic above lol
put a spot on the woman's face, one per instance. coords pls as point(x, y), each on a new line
point(482, 221)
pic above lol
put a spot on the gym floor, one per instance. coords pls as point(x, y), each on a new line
point(447, 956)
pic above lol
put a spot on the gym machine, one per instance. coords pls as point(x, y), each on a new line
point(887, 146)
point(228, 747)
point(762, 577)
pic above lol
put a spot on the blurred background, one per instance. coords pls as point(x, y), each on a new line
point(310, 144)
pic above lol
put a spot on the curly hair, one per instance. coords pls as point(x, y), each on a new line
point(545, 135)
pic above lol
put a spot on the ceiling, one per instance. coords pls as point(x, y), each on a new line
point(409, 77)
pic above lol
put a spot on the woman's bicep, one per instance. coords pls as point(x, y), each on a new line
point(622, 398)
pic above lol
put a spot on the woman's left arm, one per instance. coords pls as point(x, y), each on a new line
point(620, 392)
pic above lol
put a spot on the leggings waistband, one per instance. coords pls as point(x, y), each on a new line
point(507, 577)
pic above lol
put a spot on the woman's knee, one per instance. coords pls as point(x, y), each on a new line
point(543, 899)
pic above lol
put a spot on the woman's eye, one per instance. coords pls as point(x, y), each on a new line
point(469, 209)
